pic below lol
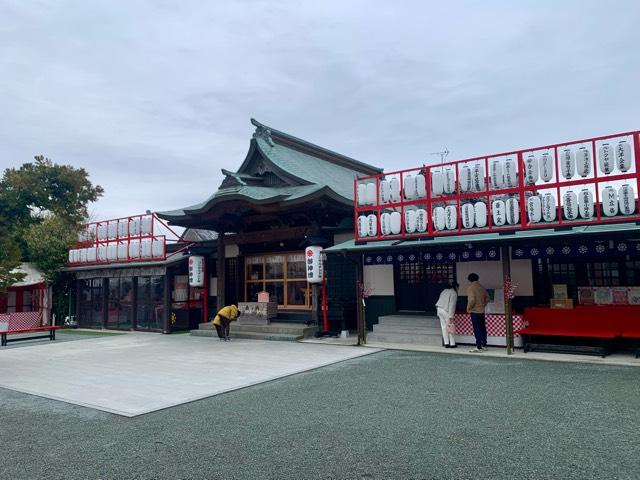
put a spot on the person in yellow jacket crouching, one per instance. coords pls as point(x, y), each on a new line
point(225, 316)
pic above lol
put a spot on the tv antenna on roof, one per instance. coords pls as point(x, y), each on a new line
point(442, 154)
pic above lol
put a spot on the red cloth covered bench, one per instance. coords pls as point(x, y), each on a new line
point(24, 322)
point(604, 323)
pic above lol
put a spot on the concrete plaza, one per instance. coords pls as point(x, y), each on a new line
point(389, 415)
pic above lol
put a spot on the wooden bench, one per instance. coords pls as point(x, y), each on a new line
point(24, 322)
point(602, 324)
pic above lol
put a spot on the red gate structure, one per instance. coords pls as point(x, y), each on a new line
point(538, 192)
point(137, 238)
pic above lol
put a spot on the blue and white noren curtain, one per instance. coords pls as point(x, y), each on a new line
point(585, 249)
point(442, 255)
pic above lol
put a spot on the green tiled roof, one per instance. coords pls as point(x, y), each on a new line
point(350, 245)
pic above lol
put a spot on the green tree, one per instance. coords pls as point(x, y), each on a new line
point(9, 261)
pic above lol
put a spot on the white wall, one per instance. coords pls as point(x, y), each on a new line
point(379, 278)
point(490, 274)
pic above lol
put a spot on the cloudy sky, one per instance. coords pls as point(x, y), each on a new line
point(154, 97)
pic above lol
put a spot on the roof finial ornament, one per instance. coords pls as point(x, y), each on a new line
point(265, 133)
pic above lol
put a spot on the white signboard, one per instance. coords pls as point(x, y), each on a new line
point(313, 256)
point(196, 271)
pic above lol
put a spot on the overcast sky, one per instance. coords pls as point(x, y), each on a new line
point(154, 98)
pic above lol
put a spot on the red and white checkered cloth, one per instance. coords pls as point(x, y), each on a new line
point(22, 320)
point(496, 324)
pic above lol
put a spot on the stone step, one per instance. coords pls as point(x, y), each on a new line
point(272, 329)
point(431, 340)
point(249, 335)
point(413, 321)
point(384, 328)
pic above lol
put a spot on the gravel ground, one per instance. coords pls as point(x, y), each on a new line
point(391, 415)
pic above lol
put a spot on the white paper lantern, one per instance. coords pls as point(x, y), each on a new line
point(362, 226)
point(609, 201)
point(465, 181)
point(134, 249)
point(531, 170)
point(112, 252)
point(499, 213)
point(421, 220)
point(451, 217)
point(362, 194)
point(145, 248)
point(134, 226)
point(372, 225)
point(585, 204)
point(409, 183)
point(395, 220)
point(546, 167)
point(570, 205)
point(583, 162)
point(122, 251)
point(146, 225)
point(157, 248)
point(513, 211)
point(510, 173)
point(70, 258)
point(606, 159)
point(534, 208)
point(112, 229)
point(478, 177)
point(410, 221)
point(626, 200)
point(92, 254)
point(123, 228)
point(421, 186)
point(439, 219)
point(102, 232)
point(549, 207)
point(497, 175)
point(385, 191)
point(468, 215)
point(480, 214)
point(449, 181)
point(394, 186)
point(102, 253)
point(437, 184)
point(567, 163)
point(83, 255)
point(623, 156)
point(385, 224)
point(371, 195)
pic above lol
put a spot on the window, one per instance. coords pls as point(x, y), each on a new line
point(283, 275)
point(120, 313)
point(91, 313)
point(150, 303)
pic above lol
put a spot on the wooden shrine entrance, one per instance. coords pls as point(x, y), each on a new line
point(418, 285)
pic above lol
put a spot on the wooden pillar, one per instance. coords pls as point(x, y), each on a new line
point(360, 313)
point(168, 282)
point(221, 270)
point(506, 274)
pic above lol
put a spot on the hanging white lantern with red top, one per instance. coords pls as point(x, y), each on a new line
point(497, 175)
point(534, 208)
point(478, 177)
point(570, 205)
point(623, 156)
point(606, 159)
point(465, 181)
point(385, 224)
point(449, 181)
point(409, 185)
point(362, 194)
point(410, 221)
point(372, 225)
point(626, 200)
point(385, 191)
point(394, 187)
point(395, 223)
point(585, 204)
point(363, 226)
point(513, 211)
point(421, 186)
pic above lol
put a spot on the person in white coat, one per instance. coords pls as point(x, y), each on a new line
point(446, 308)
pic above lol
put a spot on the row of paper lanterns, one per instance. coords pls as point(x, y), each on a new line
point(503, 174)
point(115, 229)
point(503, 212)
point(133, 250)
